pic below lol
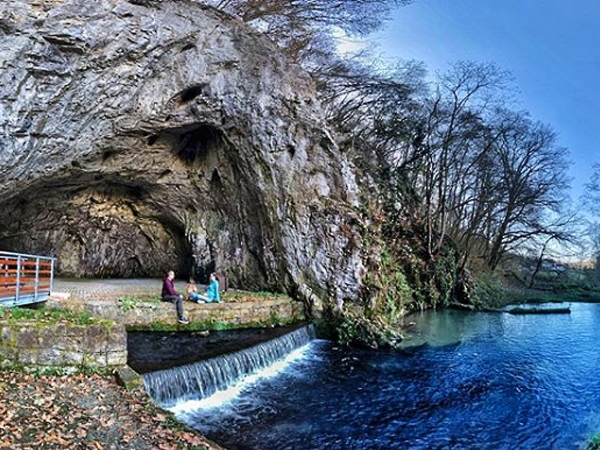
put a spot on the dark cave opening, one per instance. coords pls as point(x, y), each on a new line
point(191, 92)
point(201, 273)
point(196, 143)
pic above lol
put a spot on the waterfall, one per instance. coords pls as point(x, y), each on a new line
point(202, 379)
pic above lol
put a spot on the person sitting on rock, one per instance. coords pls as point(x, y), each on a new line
point(212, 292)
point(169, 294)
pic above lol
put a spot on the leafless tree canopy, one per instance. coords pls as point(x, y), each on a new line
point(452, 153)
point(303, 26)
point(448, 150)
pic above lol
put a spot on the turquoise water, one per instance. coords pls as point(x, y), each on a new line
point(466, 381)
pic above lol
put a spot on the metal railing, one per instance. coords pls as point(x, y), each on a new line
point(25, 279)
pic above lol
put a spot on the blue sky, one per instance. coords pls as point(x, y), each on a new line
point(551, 47)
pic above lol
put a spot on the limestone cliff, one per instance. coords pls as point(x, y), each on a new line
point(143, 135)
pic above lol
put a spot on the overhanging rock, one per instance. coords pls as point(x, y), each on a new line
point(143, 136)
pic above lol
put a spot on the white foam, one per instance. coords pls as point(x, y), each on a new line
point(223, 397)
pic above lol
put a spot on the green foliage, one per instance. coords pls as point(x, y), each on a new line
point(49, 315)
point(488, 291)
point(373, 332)
point(444, 275)
point(432, 281)
point(395, 294)
point(128, 303)
point(323, 329)
point(401, 277)
point(22, 314)
point(387, 298)
point(164, 326)
point(276, 320)
point(269, 294)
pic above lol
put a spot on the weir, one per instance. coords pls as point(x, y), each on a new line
point(204, 378)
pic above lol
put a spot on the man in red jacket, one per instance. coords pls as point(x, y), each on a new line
point(169, 294)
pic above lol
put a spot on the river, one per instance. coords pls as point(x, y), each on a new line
point(464, 381)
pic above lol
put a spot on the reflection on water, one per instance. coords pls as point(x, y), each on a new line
point(464, 381)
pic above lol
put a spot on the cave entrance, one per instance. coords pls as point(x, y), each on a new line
point(194, 144)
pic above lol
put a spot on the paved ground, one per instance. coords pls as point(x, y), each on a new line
point(111, 289)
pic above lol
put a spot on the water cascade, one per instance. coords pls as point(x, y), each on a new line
point(204, 378)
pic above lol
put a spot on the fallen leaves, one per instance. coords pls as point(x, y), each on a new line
point(84, 412)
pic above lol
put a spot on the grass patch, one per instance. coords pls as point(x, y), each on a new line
point(570, 285)
point(49, 315)
point(244, 296)
point(129, 302)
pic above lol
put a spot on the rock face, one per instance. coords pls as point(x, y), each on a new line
point(146, 135)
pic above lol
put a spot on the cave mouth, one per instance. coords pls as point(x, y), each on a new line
point(195, 144)
point(97, 227)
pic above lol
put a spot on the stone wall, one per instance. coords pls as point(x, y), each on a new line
point(251, 311)
point(68, 347)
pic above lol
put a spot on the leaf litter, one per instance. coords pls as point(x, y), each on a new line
point(85, 412)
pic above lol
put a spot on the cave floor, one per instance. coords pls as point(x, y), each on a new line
point(109, 289)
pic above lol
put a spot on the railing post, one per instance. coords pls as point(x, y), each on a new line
point(18, 290)
point(37, 278)
point(52, 274)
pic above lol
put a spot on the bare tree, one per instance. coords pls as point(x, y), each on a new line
point(532, 180)
point(303, 26)
point(560, 232)
point(591, 203)
point(486, 177)
point(476, 172)
point(456, 140)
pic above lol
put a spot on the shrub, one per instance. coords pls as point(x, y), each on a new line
point(488, 291)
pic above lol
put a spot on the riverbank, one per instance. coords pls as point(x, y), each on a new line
point(94, 412)
point(570, 285)
point(86, 412)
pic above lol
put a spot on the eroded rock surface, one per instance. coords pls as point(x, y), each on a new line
point(139, 136)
